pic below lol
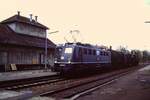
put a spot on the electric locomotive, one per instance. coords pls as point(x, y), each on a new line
point(73, 57)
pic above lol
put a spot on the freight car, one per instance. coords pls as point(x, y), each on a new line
point(73, 57)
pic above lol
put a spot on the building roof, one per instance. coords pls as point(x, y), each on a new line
point(8, 36)
point(22, 19)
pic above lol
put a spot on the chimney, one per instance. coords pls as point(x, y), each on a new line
point(36, 18)
point(18, 13)
point(30, 17)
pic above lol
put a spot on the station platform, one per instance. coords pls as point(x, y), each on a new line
point(133, 86)
point(15, 75)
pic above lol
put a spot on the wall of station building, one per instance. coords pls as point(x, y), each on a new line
point(12, 55)
point(27, 29)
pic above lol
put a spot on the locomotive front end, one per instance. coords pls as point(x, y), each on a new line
point(63, 61)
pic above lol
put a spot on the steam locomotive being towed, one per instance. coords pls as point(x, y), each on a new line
point(74, 57)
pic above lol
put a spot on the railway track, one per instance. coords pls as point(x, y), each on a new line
point(71, 88)
point(23, 83)
point(103, 84)
point(77, 87)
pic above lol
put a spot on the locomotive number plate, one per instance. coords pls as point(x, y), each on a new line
point(62, 64)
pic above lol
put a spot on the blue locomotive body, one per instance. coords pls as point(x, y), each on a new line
point(76, 56)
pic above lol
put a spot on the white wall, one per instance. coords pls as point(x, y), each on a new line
point(27, 29)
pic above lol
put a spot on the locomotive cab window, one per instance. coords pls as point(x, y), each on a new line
point(68, 50)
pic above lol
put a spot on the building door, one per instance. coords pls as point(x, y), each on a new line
point(3, 58)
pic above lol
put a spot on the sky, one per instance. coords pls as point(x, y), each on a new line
point(101, 22)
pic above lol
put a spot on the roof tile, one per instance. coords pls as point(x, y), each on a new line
point(22, 19)
point(7, 36)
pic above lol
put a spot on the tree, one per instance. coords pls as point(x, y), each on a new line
point(138, 54)
point(146, 55)
point(123, 49)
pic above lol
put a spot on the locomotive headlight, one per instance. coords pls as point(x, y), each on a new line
point(69, 62)
point(55, 61)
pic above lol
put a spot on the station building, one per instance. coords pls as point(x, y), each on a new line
point(22, 42)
